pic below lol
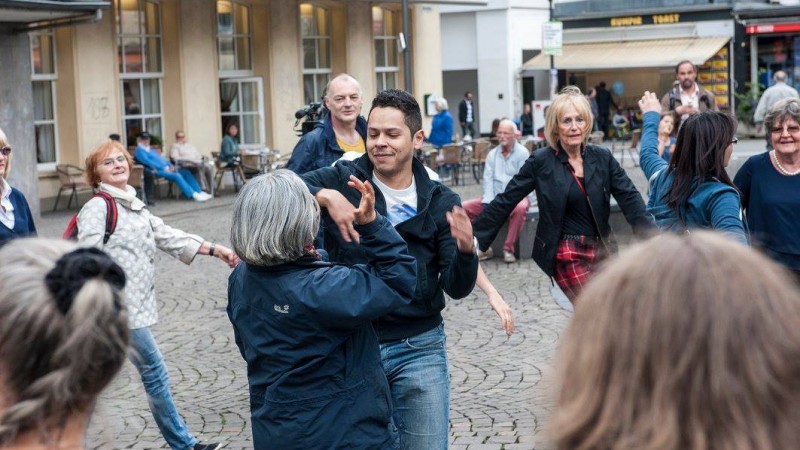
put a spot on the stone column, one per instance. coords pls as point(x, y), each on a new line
point(16, 114)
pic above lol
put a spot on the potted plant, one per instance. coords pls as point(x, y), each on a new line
point(746, 103)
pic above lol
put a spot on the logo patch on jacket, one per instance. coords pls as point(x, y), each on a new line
point(281, 309)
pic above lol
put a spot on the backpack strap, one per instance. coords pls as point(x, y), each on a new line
point(111, 214)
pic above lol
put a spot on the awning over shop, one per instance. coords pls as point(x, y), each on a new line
point(29, 15)
point(630, 54)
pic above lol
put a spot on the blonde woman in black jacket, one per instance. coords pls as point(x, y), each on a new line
point(573, 182)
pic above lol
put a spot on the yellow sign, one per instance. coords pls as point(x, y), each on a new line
point(626, 21)
point(666, 18)
point(657, 19)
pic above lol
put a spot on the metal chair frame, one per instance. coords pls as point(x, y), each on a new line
point(235, 169)
point(71, 177)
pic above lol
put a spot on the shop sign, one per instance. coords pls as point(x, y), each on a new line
point(655, 19)
point(552, 37)
point(773, 28)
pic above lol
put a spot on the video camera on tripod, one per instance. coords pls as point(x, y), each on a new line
point(312, 113)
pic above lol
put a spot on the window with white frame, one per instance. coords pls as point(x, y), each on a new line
point(140, 66)
point(43, 79)
point(241, 103)
point(316, 37)
point(384, 34)
point(234, 37)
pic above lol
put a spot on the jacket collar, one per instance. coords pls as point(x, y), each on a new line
point(589, 160)
point(425, 186)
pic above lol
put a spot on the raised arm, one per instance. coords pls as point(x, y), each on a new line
point(649, 159)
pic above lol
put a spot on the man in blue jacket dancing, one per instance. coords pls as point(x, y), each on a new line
point(438, 232)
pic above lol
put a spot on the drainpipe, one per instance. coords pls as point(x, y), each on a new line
point(407, 51)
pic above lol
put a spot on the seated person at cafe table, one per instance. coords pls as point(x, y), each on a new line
point(186, 156)
point(502, 163)
point(148, 157)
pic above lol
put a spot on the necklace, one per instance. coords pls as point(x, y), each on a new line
point(780, 167)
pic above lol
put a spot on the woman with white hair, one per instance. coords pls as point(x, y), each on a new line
point(63, 338)
point(15, 214)
point(303, 325)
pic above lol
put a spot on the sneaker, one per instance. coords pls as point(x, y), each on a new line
point(199, 197)
point(509, 256)
point(488, 254)
point(207, 195)
point(211, 446)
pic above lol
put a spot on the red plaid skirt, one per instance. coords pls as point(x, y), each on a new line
point(575, 262)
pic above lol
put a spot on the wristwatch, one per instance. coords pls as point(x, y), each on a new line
point(475, 246)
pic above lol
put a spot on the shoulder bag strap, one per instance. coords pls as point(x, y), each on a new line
point(111, 215)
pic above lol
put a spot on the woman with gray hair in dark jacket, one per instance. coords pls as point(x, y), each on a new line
point(303, 325)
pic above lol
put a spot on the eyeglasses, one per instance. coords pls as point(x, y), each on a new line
point(5, 151)
point(735, 140)
point(180, 137)
point(792, 129)
point(567, 122)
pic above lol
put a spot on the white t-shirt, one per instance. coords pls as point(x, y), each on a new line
point(693, 99)
point(401, 205)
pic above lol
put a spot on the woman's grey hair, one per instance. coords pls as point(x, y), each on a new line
point(441, 103)
point(788, 108)
point(53, 365)
point(274, 219)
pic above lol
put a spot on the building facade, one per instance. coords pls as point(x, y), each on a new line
point(196, 65)
point(483, 49)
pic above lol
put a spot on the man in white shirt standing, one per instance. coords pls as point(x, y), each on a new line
point(186, 156)
point(466, 115)
point(686, 97)
point(502, 163)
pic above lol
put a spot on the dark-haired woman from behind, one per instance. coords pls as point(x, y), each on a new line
point(693, 190)
point(63, 338)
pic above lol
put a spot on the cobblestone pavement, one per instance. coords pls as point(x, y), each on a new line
point(499, 396)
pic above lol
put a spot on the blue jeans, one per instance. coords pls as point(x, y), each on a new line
point(147, 359)
point(416, 368)
point(184, 179)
